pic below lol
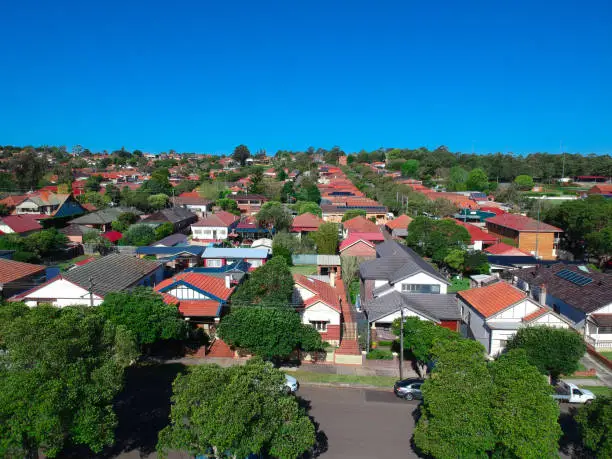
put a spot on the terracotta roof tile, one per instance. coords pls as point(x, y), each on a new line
point(535, 314)
point(522, 223)
point(199, 308)
point(323, 292)
point(21, 223)
point(493, 298)
point(501, 248)
point(476, 234)
point(213, 285)
point(360, 224)
point(306, 220)
point(11, 270)
point(400, 222)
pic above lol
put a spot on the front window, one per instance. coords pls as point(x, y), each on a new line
point(214, 263)
point(319, 325)
point(420, 288)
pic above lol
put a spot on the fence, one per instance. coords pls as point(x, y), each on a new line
point(304, 259)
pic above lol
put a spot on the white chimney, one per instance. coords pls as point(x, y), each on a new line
point(228, 281)
point(332, 279)
point(543, 294)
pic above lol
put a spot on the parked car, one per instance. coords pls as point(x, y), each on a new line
point(571, 393)
point(291, 384)
point(409, 389)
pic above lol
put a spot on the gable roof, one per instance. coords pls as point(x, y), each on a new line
point(191, 198)
point(306, 220)
point(21, 223)
point(111, 273)
point(430, 305)
point(230, 252)
point(214, 286)
point(360, 224)
point(104, 216)
point(586, 298)
point(172, 215)
point(501, 248)
point(476, 234)
point(220, 219)
point(400, 222)
point(172, 240)
point(11, 270)
point(493, 298)
point(353, 239)
point(322, 291)
point(522, 223)
point(396, 262)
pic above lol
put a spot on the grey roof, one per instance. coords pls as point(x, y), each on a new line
point(111, 273)
point(328, 260)
point(172, 240)
point(77, 230)
point(395, 262)
point(172, 215)
point(400, 232)
point(104, 216)
point(431, 305)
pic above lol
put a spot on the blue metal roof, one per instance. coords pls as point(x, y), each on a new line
point(223, 252)
point(170, 251)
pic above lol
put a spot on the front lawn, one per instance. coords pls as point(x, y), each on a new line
point(378, 381)
point(304, 269)
point(599, 391)
point(606, 354)
point(458, 285)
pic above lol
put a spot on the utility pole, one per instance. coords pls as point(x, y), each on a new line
point(538, 227)
point(91, 286)
point(401, 366)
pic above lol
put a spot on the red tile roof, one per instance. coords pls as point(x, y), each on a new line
point(502, 248)
point(352, 240)
point(522, 223)
point(21, 223)
point(11, 270)
point(200, 308)
point(493, 210)
point(476, 234)
point(400, 222)
point(218, 219)
point(213, 285)
point(85, 261)
point(493, 298)
point(112, 236)
point(306, 222)
point(322, 292)
point(360, 224)
point(535, 314)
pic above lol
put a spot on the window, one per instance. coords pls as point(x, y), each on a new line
point(214, 263)
point(255, 263)
point(502, 343)
point(420, 288)
point(319, 325)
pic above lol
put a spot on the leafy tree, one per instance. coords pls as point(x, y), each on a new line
point(274, 216)
point(158, 201)
point(410, 168)
point(158, 183)
point(273, 333)
point(209, 190)
point(600, 243)
point(455, 259)
point(7, 182)
point(326, 238)
point(436, 238)
point(271, 283)
point(308, 207)
point(524, 182)
point(287, 192)
point(477, 180)
point(61, 370)
point(279, 250)
point(281, 175)
point(235, 411)
point(163, 230)
point(99, 243)
point(124, 220)
point(442, 207)
point(241, 154)
point(139, 235)
point(292, 243)
point(144, 313)
point(44, 242)
point(93, 183)
point(477, 263)
point(595, 425)
point(455, 415)
point(229, 205)
point(554, 351)
point(28, 168)
point(308, 191)
point(352, 213)
point(524, 415)
point(100, 201)
point(457, 179)
point(420, 336)
point(257, 185)
point(113, 193)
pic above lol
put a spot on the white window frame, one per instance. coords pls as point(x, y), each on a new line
point(319, 325)
point(214, 263)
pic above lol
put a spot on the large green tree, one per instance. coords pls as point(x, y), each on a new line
point(455, 415)
point(274, 216)
point(241, 154)
point(352, 213)
point(236, 411)
point(436, 238)
point(60, 370)
point(524, 182)
point(477, 180)
point(271, 283)
point(554, 351)
point(310, 207)
point(144, 313)
point(139, 234)
point(326, 238)
point(410, 168)
point(271, 332)
point(28, 168)
point(595, 425)
point(524, 416)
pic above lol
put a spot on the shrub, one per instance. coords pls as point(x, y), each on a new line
point(385, 343)
point(379, 354)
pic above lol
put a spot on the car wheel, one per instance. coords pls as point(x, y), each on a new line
point(588, 402)
point(409, 396)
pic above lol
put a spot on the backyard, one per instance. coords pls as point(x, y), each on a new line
point(304, 269)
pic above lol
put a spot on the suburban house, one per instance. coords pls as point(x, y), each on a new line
point(503, 249)
point(494, 313)
point(305, 224)
point(20, 224)
point(75, 232)
point(180, 218)
point(16, 276)
point(192, 201)
point(87, 284)
point(397, 267)
point(603, 189)
point(263, 243)
point(479, 239)
point(358, 246)
point(217, 257)
point(398, 227)
point(248, 229)
point(171, 241)
point(49, 204)
point(538, 238)
point(249, 203)
point(319, 305)
point(214, 227)
point(199, 297)
point(174, 257)
point(103, 219)
point(335, 212)
point(582, 296)
point(359, 224)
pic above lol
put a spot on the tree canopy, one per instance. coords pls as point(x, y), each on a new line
point(477, 180)
point(524, 182)
point(326, 238)
point(271, 283)
point(139, 234)
point(595, 425)
point(352, 213)
point(303, 207)
point(273, 215)
point(236, 411)
point(241, 154)
point(410, 168)
point(436, 238)
point(60, 371)
point(554, 351)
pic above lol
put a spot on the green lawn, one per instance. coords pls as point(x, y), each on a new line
point(354, 290)
point(64, 265)
point(378, 381)
point(599, 391)
point(459, 284)
point(304, 269)
point(606, 354)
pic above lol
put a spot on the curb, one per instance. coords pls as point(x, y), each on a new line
point(345, 386)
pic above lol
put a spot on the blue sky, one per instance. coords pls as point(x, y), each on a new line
point(205, 76)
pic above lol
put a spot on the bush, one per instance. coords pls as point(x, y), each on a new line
point(26, 257)
point(385, 343)
point(379, 354)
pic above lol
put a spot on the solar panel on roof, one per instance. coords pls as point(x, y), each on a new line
point(574, 277)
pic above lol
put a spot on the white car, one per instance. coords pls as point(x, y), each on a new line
point(571, 393)
point(291, 384)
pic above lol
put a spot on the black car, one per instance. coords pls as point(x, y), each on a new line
point(409, 389)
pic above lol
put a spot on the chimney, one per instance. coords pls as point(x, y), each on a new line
point(543, 294)
point(332, 279)
point(228, 279)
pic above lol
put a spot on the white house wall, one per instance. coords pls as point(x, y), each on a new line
point(550, 320)
point(63, 293)
point(321, 312)
point(420, 278)
point(499, 339)
point(186, 293)
point(516, 312)
point(206, 232)
point(397, 315)
point(6, 229)
point(605, 310)
point(475, 325)
point(300, 294)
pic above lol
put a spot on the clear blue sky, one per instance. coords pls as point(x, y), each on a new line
point(207, 75)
